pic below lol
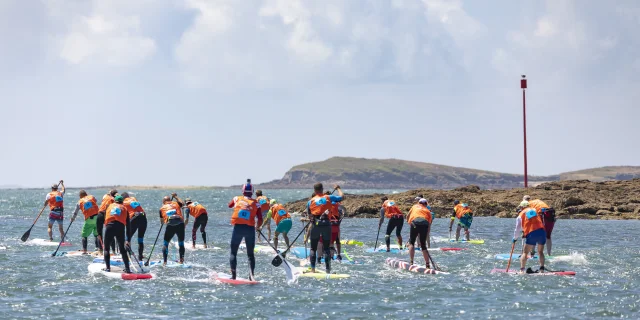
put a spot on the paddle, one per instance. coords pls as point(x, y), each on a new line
point(275, 261)
point(25, 236)
point(513, 246)
point(62, 240)
point(130, 253)
point(154, 245)
point(376, 246)
point(291, 276)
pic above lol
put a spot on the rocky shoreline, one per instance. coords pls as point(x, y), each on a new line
point(572, 199)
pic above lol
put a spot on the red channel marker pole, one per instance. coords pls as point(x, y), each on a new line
point(523, 86)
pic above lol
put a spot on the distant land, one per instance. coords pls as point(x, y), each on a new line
point(360, 173)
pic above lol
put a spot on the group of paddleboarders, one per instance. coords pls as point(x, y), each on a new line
point(534, 223)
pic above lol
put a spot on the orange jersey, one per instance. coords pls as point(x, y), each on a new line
point(196, 209)
point(334, 212)
point(244, 211)
point(319, 204)
point(419, 211)
point(89, 206)
point(263, 203)
point(461, 209)
point(133, 206)
point(279, 213)
point(116, 212)
point(391, 210)
point(171, 210)
point(531, 221)
point(55, 200)
point(107, 199)
point(538, 205)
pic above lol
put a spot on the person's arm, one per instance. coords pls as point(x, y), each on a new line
point(518, 228)
point(75, 213)
point(381, 217)
point(266, 221)
point(339, 197)
point(161, 217)
point(62, 185)
point(232, 203)
point(178, 200)
point(259, 216)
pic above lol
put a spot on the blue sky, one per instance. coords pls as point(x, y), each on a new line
point(196, 92)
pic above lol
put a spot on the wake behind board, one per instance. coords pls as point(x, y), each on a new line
point(505, 256)
point(319, 274)
point(45, 242)
point(259, 249)
point(475, 241)
point(117, 272)
point(77, 253)
point(399, 264)
point(226, 278)
point(546, 273)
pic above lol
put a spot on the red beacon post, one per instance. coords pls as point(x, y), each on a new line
point(523, 86)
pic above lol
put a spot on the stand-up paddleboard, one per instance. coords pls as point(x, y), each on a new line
point(199, 246)
point(226, 278)
point(3, 248)
point(158, 263)
point(351, 243)
point(45, 242)
point(505, 256)
point(546, 273)
point(77, 253)
point(319, 274)
point(399, 264)
point(475, 241)
point(396, 249)
point(118, 272)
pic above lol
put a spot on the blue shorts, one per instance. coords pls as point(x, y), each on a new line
point(538, 237)
point(284, 226)
point(465, 221)
point(52, 221)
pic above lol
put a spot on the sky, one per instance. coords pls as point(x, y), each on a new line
point(199, 92)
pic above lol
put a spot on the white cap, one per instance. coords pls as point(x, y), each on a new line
point(423, 201)
point(526, 198)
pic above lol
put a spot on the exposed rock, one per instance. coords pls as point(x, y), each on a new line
point(610, 200)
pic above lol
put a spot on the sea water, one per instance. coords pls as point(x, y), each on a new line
point(34, 285)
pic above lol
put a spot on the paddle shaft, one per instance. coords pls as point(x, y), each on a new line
point(154, 245)
point(513, 246)
point(296, 238)
point(62, 240)
point(130, 253)
point(376, 246)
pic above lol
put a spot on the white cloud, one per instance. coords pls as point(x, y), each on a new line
point(102, 33)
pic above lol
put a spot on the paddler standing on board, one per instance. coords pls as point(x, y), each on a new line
point(117, 228)
point(464, 214)
point(107, 200)
point(530, 223)
point(281, 216)
point(243, 219)
point(419, 219)
point(548, 215)
point(318, 209)
point(264, 205)
point(138, 220)
point(171, 215)
point(55, 200)
point(200, 219)
point(89, 207)
point(391, 211)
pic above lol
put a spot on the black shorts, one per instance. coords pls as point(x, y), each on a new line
point(395, 223)
point(420, 232)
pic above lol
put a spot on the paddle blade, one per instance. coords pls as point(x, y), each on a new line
point(291, 271)
point(25, 236)
point(277, 261)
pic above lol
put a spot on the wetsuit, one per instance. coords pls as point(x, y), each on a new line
point(171, 214)
point(138, 222)
point(420, 219)
point(117, 228)
point(200, 216)
point(243, 219)
point(390, 210)
point(107, 200)
point(318, 212)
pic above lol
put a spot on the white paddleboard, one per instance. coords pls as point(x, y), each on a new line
point(118, 272)
point(46, 242)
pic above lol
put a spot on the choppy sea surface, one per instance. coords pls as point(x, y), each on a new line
point(604, 254)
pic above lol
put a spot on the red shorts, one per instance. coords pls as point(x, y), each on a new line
point(548, 227)
point(335, 232)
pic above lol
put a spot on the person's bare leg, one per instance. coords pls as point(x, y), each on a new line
point(541, 255)
point(50, 231)
point(61, 231)
point(549, 246)
point(275, 240)
point(412, 252)
point(458, 233)
point(523, 257)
